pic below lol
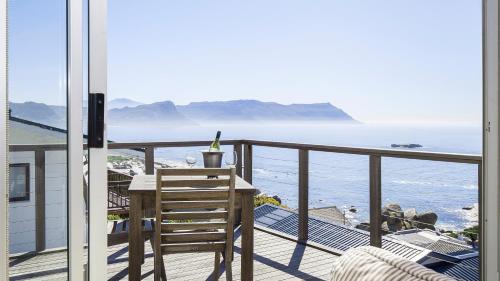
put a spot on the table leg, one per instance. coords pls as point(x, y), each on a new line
point(135, 239)
point(247, 218)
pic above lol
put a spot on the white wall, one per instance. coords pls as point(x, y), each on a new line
point(22, 213)
point(56, 207)
point(22, 234)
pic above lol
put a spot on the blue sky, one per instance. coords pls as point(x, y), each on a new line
point(381, 61)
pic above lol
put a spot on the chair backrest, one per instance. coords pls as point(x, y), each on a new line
point(194, 210)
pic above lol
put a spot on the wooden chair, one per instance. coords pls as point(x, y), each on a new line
point(195, 213)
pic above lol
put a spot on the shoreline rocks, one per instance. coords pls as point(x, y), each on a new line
point(394, 219)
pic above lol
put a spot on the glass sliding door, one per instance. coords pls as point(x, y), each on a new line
point(38, 138)
point(43, 117)
point(42, 223)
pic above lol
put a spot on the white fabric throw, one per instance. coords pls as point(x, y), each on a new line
point(375, 264)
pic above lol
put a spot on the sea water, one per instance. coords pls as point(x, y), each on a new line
point(342, 180)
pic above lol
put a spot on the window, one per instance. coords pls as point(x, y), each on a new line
point(19, 182)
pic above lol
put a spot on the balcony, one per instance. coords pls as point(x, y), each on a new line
point(288, 243)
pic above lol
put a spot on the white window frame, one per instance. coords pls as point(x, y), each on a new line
point(98, 189)
point(76, 212)
point(489, 240)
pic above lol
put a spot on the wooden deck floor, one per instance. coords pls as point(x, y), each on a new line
point(275, 259)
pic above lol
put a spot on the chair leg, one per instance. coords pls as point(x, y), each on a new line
point(216, 272)
point(162, 274)
point(229, 270)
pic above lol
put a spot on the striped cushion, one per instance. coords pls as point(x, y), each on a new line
point(374, 264)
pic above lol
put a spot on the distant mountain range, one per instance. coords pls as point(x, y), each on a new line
point(158, 112)
point(121, 103)
point(52, 115)
point(248, 110)
point(125, 111)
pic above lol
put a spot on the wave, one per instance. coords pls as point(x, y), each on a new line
point(472, 186)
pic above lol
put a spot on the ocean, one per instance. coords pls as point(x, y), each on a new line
point(342, 180)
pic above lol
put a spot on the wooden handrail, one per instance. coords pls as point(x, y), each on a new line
point(393, 153)
point(129, 145)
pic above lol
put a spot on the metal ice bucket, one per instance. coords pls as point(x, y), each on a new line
point(212, 159)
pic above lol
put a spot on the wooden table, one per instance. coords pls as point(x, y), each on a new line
point(142, 192)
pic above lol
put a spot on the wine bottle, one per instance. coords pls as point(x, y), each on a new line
point(215, 146)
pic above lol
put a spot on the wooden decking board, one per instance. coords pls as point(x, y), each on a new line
point(274, 259)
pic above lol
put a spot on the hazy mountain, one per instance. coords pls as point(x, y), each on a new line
point(159, 112)
point(122, 102)
point(39, 112)
point(247, 110)
point(197, 112)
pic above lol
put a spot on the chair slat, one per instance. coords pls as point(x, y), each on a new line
point(196, 171)
point(190, 237)
point(193, 247)
point(194, 215)
point(195, 194)
point(193, 226)
point(195, 183)
point(194, 204)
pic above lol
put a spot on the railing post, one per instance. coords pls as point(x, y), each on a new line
point(149, 160)
point(248, 163)
point(303, 195)
point(239, 161)
point(40, 200)
point(375, 200)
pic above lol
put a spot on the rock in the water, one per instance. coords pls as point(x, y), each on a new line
point(392, 207)
point(394, 222)
point(426, 220)
point(277, 198)
point(364, 226)
point(391, 210)
point(410, 214)
point(385, 228)
point(407, 225)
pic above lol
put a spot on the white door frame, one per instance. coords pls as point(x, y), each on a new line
point(4, 190)
point(489, 239)
point(98, 176)
point(76, 215)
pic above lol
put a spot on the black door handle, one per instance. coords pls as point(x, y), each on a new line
point(96, 120)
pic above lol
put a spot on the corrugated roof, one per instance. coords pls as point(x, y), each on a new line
point(331, 213)
point(464, 270)
point(341, 238)
point(451, 249)
point(336, 236)
point(436, 242)
point(449, 256)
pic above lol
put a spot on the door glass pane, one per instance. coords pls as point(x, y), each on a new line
point(38, 233)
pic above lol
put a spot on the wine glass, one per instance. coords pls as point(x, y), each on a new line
point(191, 158)
point(231, 159)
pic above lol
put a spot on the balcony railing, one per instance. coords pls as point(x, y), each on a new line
point(244, 150)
